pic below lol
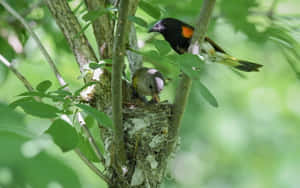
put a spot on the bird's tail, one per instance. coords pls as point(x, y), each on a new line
point(242, 65)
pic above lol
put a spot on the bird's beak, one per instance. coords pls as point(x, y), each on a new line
point(158, 27)
point(151, 30)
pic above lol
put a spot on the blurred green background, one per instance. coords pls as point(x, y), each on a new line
point(252, 140)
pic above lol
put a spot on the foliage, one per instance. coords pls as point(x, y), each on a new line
point(251, 139)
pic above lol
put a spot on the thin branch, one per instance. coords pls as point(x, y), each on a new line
point(118, 62)
point(69, 25)
point(58, 76)
point(36, 38)
point(92, 166)
point(184, 88)
point(79, 116)
point(80, 119)
point(16, 72)
point(90, 138)
point(62, 83)
point(81, 49)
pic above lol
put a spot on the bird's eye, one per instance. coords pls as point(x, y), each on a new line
point(150, 86)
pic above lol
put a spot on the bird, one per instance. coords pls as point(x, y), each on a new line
point(179, 34)
point(148, 82)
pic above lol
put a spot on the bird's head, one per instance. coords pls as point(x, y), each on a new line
point(172, 25)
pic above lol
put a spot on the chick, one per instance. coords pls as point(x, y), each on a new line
point(148, 82)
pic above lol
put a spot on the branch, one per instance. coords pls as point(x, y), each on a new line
point(62, 83)
point(118, 62)
point(92, 166)
point(103, 28)
point(70, 26)
point(184, 88)
point(80, 119)
point(79, 116)
point(90, 138)
point(135, 60)
point(36, 38)
point(16, 72)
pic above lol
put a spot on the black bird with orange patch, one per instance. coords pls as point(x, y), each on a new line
point(179, 34)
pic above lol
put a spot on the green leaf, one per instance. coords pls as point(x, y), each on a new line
point(90, 121)
point(13, 122)
point(96, 65)
point(150, 9)
point(86, 148)
point(139, 21)
point(32, 94)
point(44, 86)
point(101, 117)
point(15, 104)
point(190, 64)
point(62, 93)
point(206, 94)
point(162, 46)
point(38, 109)
point(83, 29)
point(151, 56)
point(102, 64)
point(63, 135)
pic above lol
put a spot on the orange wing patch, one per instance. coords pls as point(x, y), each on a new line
point(187, 32)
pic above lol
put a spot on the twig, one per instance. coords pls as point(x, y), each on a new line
point(58, 76)
point(79, 116)
point(36, 38)
point(70, 26)
point(92, 166)
point(118, 62)
point(183, 90)
point(16, 72)
point(90, 138)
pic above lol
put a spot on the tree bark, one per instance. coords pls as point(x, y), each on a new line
point(70, 27)
point(103, 28)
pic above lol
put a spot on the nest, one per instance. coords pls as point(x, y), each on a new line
point(146, 136)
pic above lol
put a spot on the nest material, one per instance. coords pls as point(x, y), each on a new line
point(146, 132)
